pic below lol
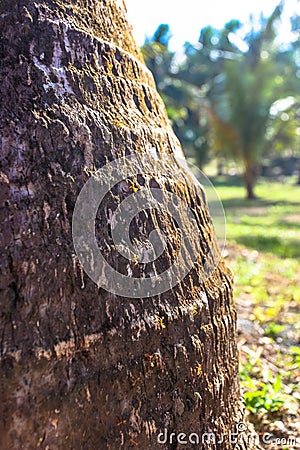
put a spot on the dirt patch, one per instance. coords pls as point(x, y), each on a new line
point(292, 218)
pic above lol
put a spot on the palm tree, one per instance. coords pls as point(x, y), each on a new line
point(241, 116)
point(85, 367)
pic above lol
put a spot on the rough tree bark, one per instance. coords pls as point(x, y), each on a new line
point(83, 368)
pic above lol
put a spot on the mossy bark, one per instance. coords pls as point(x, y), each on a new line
point(82, 368)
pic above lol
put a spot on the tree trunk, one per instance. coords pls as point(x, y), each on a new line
point(220, 168)
point(249, 180)
point(82, 367)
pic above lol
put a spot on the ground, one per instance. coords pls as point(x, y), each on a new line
point(263, 250)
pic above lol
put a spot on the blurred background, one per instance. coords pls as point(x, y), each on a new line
point(229, 74)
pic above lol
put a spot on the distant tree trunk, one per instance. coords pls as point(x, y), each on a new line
point(220, 168)
point(83, 368)
point(249, 177)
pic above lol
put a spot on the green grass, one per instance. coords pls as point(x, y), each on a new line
point(264, 253)
point(270, 223)
point(272, 283)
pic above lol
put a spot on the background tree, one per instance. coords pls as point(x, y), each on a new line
point(253, 83)
point(235, 80)
point(182, 94)
point(289, 111)
point(82, 367)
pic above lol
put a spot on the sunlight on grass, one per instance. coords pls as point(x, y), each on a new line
point(263, 242)
point(270, 223)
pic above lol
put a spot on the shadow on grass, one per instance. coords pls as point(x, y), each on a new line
point(229, 181)
point(239, 200)
point(268, 219)
point(271, 244)
point(289, 225)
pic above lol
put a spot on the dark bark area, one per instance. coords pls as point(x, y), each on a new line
point(82, 368)
point(250, 175)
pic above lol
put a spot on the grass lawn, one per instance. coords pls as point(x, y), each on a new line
point(263, 250)
point(270, 223)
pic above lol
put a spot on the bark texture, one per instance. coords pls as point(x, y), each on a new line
point(82, 368)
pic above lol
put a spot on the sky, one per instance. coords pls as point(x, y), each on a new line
point(187, 17)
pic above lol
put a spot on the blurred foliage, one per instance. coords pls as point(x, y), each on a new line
point(235, 95)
